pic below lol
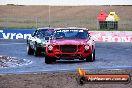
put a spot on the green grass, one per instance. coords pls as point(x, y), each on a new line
point(91, 25)
point(90, 30)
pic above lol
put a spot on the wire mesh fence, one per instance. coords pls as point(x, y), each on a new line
point(92, 24)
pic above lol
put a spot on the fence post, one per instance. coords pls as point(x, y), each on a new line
point(6, 22)
point(97, 24)
point(36, 22)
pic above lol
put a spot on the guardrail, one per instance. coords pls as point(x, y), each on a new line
point(101, 36)
point(15, 33)
point(112, 36)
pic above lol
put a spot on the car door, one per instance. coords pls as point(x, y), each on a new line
point(37, 37)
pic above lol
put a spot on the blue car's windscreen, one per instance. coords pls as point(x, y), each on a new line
point(47, 32)
point(71, 34)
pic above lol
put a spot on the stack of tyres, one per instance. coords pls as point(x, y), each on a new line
point(102, 20)
point(112, 25)
point(103, 24)
point(112, 21)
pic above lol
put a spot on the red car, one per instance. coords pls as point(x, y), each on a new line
point(69, 44)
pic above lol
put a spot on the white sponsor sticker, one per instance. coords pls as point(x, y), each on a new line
point(71, 30)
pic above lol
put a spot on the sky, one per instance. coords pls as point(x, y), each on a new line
point(66, 2)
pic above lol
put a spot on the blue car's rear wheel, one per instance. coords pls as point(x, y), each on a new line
point(29, 50)
point(37, 51)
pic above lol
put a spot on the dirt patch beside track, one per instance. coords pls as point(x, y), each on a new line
point(56, 80)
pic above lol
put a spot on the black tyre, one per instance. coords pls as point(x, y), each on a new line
point(81, 80)
point(54, 60)
point(48, 60)
point(43, 52)
point(91, 58)
point(37, 51)
point(29, 50)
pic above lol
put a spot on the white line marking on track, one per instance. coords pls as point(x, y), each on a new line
point(13, 44)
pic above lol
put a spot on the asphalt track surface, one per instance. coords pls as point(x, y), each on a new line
point(109, 56)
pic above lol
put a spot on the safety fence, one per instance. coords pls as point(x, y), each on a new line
point(101, 36)
point(92, 24)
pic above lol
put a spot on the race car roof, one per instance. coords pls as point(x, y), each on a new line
point(45, 28)
point(77, 28)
